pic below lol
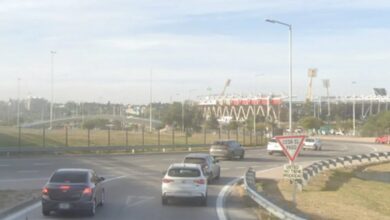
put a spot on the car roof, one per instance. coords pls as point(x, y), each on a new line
point(197, 155)
point(187, 165)
point(73, 170)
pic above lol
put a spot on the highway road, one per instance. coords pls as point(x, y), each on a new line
point(133, 186)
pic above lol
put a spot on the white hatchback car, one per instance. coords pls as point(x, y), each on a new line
point(273, 146)
point(184, 180)
point(312, 143)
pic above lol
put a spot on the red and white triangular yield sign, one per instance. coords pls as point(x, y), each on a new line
point(291, 145)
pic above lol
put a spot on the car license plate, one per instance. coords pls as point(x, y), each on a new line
point(64, 206)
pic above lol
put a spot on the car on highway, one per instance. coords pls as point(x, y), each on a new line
point(274, 147)
point(227, 149)
point(73, 190)
point(184, 180)
point(209, 165)
point(312, 143)
point(384, 139)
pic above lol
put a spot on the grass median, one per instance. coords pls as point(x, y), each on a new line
point(336, 194)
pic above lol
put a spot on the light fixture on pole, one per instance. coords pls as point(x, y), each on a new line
point(52, 88)
point(290, 61)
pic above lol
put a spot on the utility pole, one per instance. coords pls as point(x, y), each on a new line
point(52, 88)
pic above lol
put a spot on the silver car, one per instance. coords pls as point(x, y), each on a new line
point(312, 143)
point(184, 181)
point(209, 165)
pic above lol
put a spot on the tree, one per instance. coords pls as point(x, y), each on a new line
point(212, 122)
point(310, 122)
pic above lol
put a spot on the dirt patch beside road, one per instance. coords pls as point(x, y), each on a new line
point(336, 194)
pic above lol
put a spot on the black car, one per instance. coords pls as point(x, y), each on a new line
point(227, 149)
point(73, 190)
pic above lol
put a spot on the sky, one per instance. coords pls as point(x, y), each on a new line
point(114, 50)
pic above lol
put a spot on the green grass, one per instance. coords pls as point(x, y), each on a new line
point(79, 137)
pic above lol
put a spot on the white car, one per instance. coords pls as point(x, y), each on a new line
point(312, 143)
point(183, 180)
point(273, 146)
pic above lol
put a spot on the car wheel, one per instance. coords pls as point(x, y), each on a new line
point(92, 210)
point(102, 198)
point(164, 201)
point(45, 212)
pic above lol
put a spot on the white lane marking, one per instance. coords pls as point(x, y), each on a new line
point(136, 200)
point(374, 148)
point(4, 165)
point(23, 212)
point(27, 171)
point(221, 199)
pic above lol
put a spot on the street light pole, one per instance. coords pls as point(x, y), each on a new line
point(18, 106)
point(151, 100)
point(353, 111)
point(52, 87)
point(290, 62)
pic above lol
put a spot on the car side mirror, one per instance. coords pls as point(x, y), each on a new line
point(101, 179)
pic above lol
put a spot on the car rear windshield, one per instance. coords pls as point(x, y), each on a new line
point(69, 177)
point(220, 143)
point(183, 172)
point(272, 141)
point(194, 160)
point(309, 140)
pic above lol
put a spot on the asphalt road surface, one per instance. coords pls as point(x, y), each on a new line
point(133, 186)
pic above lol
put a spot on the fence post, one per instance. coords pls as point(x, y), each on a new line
point(186, 136)
point(109, 136)
point(173, 136)
point(43, 137)
point(158, 137)
point(243, 133)
point(228, 133)
point(219, 133)
point(204, 135)
point(143, 135)
point(256, 139)
point(89, 137)
point(66, 136)
point(250, 137)
point(237, 134)
point(127, 137)
point(20, 139)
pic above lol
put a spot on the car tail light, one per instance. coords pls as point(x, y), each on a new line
point(45, 191)
point(167, 180)
point(87, 191)
point(200, 181)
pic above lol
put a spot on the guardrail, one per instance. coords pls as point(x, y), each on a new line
point(346, 161)
point(308, 173)
point(130, 149)
point(250, 185)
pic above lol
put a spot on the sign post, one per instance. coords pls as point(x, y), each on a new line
point(291, 146)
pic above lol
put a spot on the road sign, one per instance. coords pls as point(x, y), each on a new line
point(291, 145)
point(292, 172)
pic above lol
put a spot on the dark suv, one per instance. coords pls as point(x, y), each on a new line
point(73, 190)
point(227, 149)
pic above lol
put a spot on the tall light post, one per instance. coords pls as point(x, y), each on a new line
point(326, 84)
point(290, 61)
point(353, 110)
point(52, 87)
point(151, 100)
point(18, 106)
